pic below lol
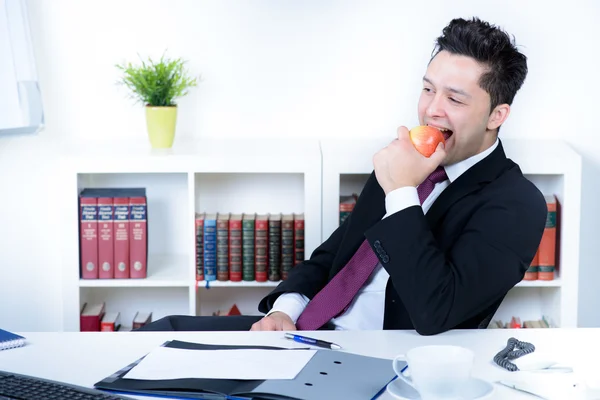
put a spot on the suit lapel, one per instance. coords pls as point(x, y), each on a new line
point(471, 180)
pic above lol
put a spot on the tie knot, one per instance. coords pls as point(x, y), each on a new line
point(438, 175)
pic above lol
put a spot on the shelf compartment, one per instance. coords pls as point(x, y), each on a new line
point(160, 301)
point(222, 298)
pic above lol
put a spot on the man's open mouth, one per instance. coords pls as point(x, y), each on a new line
point(445, 131)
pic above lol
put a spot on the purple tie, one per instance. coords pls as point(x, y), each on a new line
point(337, 295)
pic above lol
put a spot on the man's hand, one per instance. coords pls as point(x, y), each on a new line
point(400, 164)
point(277, 321)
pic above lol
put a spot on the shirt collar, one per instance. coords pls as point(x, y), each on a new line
point(455, 170)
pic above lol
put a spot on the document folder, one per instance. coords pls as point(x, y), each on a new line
point(328, 375)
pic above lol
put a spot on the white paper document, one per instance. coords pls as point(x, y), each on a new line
point(171, 363)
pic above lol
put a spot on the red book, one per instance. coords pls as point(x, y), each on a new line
point(138, 237)
point(299, 237)
point(121, 237)
point(89, 320)
point(111, 322)
point(547, 249)
point(141, 318)
point(235, 247)
point(261, 247)
point(89, 237)
point(105, 238)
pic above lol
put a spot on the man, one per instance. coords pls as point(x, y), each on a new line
point(449, 262)
point(433, 243)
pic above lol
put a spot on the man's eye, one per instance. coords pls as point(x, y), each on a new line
point(454, 100)
point(426, 90)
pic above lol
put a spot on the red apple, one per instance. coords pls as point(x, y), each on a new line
point(426, 139)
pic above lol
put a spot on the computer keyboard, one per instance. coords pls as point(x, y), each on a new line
point(24, 387)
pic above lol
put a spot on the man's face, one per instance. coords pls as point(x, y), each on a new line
point(452, 99)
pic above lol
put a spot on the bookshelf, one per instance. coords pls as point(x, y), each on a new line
point(271, 176)
point(209, 175)
point(550, 164)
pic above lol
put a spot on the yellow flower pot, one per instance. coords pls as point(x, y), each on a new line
point(161, 122)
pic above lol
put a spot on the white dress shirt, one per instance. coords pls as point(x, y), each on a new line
point(366, 309)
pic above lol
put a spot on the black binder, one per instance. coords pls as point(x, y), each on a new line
point(328, 375)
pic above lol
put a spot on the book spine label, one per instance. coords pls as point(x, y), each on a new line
point(89, 237)
point(138, 243)
point(106, 255)
point(121, 237)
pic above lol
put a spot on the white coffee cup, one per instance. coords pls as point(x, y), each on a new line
point(437, 372)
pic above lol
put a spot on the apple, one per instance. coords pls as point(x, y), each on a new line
point(426, 139)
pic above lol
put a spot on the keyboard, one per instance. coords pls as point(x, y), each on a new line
point(24, 387)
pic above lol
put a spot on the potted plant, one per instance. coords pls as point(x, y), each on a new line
point(157, 85)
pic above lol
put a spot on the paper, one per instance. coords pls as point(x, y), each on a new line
point(171, 363)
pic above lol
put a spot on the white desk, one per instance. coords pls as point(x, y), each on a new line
point(85, 358)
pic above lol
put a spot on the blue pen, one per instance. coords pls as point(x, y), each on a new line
point(314, 342)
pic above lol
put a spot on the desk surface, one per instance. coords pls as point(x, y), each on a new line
point(87, 357)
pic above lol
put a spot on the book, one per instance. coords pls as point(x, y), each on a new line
point(248, 225)
point(9, 340)
point(88, 232)
point(91, 317)
point(222, 246)
point(111, 322)
point(105, 238)
point(210, 247)
point(547, 249)
point(138, 236)
point(199, 246)
point(235, 247)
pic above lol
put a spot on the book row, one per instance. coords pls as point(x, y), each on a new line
point(515, 323)
point(94, 318)
point(543, 266)
point(113, 234)
point(248, 246)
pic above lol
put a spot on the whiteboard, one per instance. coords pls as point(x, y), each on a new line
point(21, 109)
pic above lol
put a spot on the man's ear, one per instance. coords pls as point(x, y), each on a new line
point(498, 116)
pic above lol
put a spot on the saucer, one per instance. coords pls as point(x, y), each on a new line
point(475, 389)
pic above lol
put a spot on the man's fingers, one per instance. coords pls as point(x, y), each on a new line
point(402, 133)
point(288, 326)
point(265, 324)
point(438, 155)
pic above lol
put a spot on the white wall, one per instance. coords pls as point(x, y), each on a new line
point(272, 68)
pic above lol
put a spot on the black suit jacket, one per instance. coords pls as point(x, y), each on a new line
point(449, 269)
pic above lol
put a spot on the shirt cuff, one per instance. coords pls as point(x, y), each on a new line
point(401, 198)
point(291, 304)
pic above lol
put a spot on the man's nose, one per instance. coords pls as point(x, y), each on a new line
point(435, 107)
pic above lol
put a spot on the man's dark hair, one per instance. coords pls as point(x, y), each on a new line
point(492, 47)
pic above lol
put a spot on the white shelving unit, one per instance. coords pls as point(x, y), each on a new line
point(233, 175)
point(271, 176)
point(551, 165)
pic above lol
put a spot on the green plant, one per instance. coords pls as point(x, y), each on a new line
point(157, 83)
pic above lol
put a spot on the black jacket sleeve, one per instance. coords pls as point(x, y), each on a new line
point(442, 287)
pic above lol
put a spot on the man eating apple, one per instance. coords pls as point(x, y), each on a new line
point(434, 242)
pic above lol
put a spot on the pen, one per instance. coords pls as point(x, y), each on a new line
point(314, 342)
